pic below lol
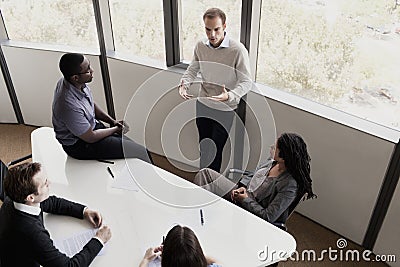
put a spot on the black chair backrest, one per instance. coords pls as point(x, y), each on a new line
point(19, 160)
point(292, 207)
point(296, 202)
point(3, 173)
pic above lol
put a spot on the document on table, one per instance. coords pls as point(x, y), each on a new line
point(74, 244)
point(124, 180)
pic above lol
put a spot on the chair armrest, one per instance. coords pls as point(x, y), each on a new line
point(239, 173)
point(243, 172)
point(280, 225)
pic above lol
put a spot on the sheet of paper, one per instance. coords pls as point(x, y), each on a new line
point(124, 180)
point(74, 244)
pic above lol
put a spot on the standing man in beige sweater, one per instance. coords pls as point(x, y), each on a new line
point(225, 74)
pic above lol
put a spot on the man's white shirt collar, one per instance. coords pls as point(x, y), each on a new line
point(27, 209)
point(225, 43)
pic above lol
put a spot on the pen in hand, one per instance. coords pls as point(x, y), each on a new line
point(110, 172)
point(201, 217)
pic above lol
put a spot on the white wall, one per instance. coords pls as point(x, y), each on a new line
point(260, 128)
point(35, 74)
point(148, 99)
point(7, 114)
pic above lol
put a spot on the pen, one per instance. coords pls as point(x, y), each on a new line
point(105, 161)
point(201, 217)
point(110, 172)
point(163, 240)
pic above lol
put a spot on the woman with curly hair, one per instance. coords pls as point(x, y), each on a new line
point(284, 179)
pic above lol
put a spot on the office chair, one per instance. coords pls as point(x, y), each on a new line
point(244, 173)
point(292, 207)
point(249, 174)
point(4, 170)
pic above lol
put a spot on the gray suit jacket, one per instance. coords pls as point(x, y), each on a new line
point(273, 203)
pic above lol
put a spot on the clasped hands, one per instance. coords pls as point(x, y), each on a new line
point(183, 92)
point(123, 127)
point(238, 195)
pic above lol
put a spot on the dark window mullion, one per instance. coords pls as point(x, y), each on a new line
point(10, 88)
point(245, 31)
point(6, 74)
point(171, 24)
point(245, 24)
point(103, 59)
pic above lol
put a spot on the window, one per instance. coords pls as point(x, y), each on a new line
point(138, 28)
point(344, 54)
point(192, 26)
point(61, 22)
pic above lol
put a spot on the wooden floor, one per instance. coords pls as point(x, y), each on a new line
point(15, 143)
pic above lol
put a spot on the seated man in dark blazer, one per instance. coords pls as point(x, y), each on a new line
point(24, 241)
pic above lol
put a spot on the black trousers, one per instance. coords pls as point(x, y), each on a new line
point(213, 127)
point(112, 147)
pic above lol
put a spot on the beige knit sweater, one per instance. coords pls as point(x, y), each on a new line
point(227, 66)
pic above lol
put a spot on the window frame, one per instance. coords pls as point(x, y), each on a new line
point(249, 35)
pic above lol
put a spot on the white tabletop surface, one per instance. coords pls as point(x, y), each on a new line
point(139, 219)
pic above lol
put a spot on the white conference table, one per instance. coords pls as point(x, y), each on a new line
point(139, 219)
